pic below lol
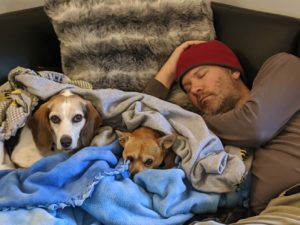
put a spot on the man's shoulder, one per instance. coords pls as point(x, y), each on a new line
point(278, 68)
point(283, 56)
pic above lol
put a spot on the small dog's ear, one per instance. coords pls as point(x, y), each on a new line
point(167, 141)
point(123, 137)
point(40, 127)
point(93, 122)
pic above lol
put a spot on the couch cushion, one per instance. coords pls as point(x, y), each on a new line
point(122, 44)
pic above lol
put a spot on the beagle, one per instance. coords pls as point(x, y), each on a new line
point(66, 122)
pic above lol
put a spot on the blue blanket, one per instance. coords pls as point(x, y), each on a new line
point(59, 180)
point(93, 187)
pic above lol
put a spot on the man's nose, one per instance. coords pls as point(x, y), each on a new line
point(196, 88)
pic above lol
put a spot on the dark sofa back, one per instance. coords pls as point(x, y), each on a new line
point(255, 36)
point(28, 39)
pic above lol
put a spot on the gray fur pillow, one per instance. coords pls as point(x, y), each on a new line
point(123, 43)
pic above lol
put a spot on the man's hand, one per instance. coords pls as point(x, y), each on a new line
point(167, 73)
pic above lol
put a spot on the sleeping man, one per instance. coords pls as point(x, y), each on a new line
point(265, 118)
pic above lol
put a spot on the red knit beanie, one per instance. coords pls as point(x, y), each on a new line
point(207, 53)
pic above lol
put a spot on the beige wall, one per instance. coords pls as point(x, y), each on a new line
point(284, 7)
point(13, 5)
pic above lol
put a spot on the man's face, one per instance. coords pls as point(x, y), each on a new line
point(212, 89)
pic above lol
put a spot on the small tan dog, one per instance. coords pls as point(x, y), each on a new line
point(146, 148)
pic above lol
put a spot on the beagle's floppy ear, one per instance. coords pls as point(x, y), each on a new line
point(40, 128)
point(93, 121)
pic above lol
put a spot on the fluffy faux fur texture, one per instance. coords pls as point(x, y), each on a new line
point(123, 43)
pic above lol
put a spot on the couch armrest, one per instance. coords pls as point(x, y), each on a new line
point(27, 39)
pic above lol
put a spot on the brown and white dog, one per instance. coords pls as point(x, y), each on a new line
point(146, 148)
point(65, 122)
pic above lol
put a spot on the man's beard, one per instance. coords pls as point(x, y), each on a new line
point(225, 104)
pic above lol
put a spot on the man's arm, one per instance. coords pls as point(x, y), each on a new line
point(274, 99)
point(156, 89)
point(163, 80)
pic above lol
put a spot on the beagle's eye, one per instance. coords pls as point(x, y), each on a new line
point(148, 162)
point(77, 118)
point(55, 119)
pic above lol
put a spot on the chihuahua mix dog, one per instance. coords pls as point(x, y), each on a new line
point(146, 148)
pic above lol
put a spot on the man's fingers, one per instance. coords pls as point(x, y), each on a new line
point(191, 42)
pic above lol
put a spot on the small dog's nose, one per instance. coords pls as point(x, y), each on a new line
point(66, 141)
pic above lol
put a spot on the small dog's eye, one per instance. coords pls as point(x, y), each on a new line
point(55, 119)
point(77, 118)
point(130, 158)
point(148, 162)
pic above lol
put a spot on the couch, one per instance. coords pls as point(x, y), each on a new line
point(28, 38)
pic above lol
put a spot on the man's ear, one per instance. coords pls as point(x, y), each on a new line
point(236, 75)
point(123, 137)
point(167, 141)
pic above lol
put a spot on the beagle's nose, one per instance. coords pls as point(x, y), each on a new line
point(66, 141)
